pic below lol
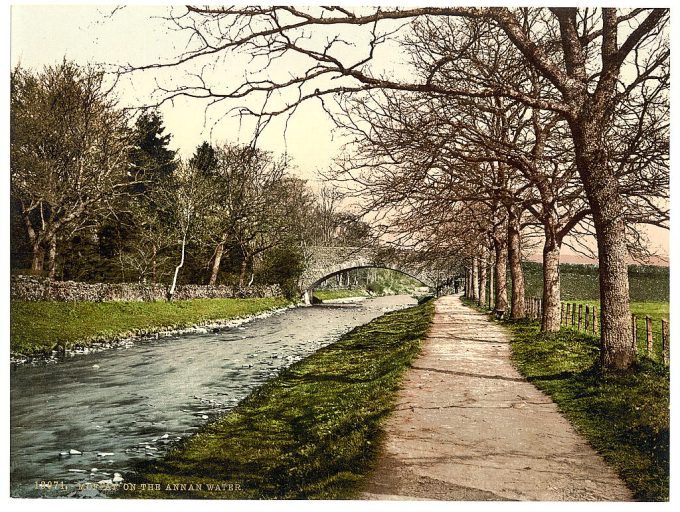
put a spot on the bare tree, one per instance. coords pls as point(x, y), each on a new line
point(186, 197)
point(68, 153)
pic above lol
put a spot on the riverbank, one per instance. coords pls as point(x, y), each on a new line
point(311, 432)
point(44, 329)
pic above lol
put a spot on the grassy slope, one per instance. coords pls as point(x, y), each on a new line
point(339, 294)
point(39, 327)
point(624, 416)
point(311, 432)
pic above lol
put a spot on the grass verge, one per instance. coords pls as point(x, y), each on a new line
point(40, 327)
point(339, 294)
point(310, 433)
point(624, 416)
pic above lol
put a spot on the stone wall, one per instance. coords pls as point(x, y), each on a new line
point(31, 288)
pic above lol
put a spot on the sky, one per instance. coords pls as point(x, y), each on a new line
point(46, 34)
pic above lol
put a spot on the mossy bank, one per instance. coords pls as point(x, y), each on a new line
point(311, 432)
point(38, 328)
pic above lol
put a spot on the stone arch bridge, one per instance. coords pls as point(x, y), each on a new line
point(325, 262)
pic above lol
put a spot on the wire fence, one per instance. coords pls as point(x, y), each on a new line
point(650, 336)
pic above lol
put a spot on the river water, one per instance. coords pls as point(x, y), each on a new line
point(117, 406)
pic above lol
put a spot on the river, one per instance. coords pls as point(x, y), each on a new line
point(89, 417)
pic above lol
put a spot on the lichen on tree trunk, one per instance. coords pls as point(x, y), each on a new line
point(550, 320)
point(500, 275)
point(217, 260)
point(604, 197)
point(517, 310)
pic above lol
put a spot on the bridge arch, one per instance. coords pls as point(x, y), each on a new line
point(327, 262)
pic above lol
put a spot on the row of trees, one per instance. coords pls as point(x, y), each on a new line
point(508, 121)
point(98, 197)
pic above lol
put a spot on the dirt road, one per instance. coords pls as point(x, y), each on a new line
point(469, 427)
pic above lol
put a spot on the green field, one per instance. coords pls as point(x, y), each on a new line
point(649, 294)
point(40, 327)
point(312, 432)
point(581, 282)
point(655, 310)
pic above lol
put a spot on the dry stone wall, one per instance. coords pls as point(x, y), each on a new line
point(30, 288)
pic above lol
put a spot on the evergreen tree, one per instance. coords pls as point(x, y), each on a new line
point(148, 219)
point(151, 159)
point(204, 159)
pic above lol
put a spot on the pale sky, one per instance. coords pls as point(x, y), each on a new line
point(45, 34)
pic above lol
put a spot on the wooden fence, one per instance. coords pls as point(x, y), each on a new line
point(649, 336)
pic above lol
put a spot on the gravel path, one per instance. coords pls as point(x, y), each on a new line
point(469, 427)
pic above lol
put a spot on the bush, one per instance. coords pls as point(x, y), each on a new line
point(283, 266)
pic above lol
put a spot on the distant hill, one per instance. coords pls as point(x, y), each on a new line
point(648, 283)
point(660, 261)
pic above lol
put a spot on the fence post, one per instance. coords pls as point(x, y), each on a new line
point(562, 317)
point(586, 321)
point(566, 320)
point(580, 313)
point(540, 309)
point(634, 320)
point(573, 315)
point(650, 336)
point(665, 341)
point(594, 320)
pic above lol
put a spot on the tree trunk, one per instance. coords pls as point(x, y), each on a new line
point(153, 265)
point(605, 201)
point(171, 291)
point(242, 273)
point(475, 279)
point(617, 351)
point(52, 257)
point(491, 283)
point(500, 275)
point(38, 260)
point(550, 321)
point(481, 296)
point(219, 251)
point(517, 310)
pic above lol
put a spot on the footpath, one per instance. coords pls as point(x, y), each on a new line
point(469, 427)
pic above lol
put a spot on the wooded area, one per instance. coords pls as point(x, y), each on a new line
point(97, 196)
